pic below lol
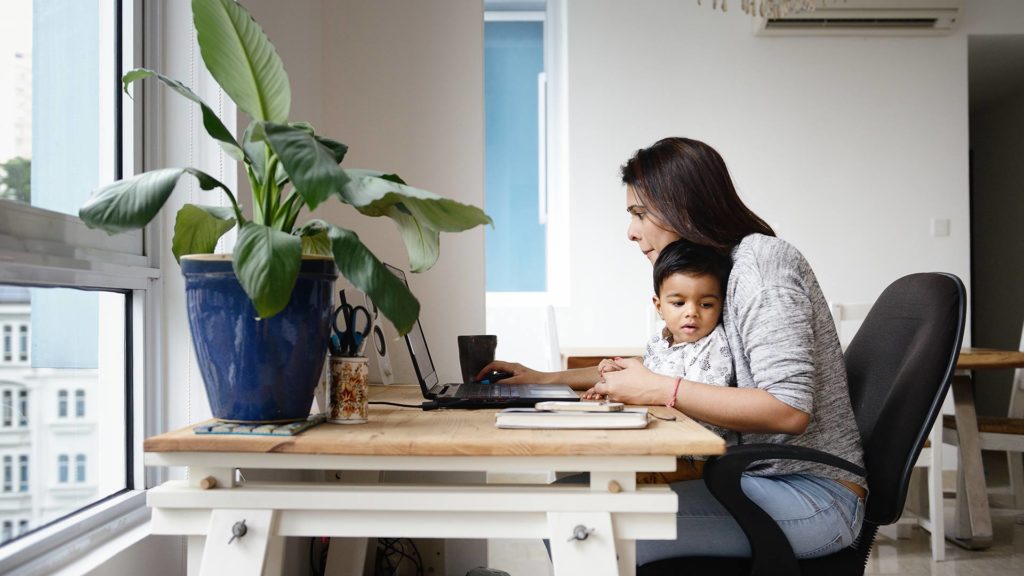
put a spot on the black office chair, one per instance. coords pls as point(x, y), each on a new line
point(899, 365)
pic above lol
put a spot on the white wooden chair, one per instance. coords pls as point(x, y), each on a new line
point(847, 317)
point(997, 433)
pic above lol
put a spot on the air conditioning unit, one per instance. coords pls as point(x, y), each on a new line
point(866, 18)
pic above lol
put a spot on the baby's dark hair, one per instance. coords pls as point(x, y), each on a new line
point(684, 257)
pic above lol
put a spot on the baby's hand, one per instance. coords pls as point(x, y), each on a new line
point(608, 365)
point(591, 394)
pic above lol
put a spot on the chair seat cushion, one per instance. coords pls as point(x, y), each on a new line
point(992, 424)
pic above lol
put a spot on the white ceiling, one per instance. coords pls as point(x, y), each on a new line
point(995, 69)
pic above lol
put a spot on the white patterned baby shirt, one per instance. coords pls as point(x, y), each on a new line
point(707, 360)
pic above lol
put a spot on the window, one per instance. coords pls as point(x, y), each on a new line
point(514, 110)
point(23, 343)
point(8, 531)
point(74, 301)
point(80, 468)
point(62, 403)
point(8, 473)
point(22, 527)
point(23, 408)
point(8, 408)
point(23, 472)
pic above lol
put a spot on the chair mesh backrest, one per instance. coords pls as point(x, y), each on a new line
point(900, 364)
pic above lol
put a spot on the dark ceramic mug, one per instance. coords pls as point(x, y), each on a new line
point(475, 352)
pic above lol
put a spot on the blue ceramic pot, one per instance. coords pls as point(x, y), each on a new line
point(258, 370)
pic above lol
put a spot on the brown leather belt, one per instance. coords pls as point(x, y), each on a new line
point(854, 487)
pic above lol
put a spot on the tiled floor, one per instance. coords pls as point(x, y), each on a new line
point(912, 557)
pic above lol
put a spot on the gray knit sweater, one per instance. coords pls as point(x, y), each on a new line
point(784, 341)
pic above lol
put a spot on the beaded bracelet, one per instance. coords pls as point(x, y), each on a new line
point(675, 390)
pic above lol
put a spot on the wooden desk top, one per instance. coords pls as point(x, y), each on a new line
point(982, 358)
point(394, 431)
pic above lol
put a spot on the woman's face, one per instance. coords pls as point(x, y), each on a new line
point(645, 228)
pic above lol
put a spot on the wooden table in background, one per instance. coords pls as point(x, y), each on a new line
point(618, 511)
point(972, 524)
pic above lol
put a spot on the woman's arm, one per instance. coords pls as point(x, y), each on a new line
point(577, 378)
point(740, 409)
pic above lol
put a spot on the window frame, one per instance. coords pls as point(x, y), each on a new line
point(49, 249)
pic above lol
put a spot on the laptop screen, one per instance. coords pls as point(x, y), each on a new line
point(418, 347)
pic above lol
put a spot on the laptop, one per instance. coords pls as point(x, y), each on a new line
point(474, 395)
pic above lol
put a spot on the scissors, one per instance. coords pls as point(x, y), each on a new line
point(349, 334)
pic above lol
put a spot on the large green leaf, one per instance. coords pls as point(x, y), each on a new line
point(266, 262)
point(318, 244)
point(310, 165)
point(420, 215)
point(373, 192)
point(197, 229)
point(242, 60)
point(367, 273)
point(212, 123)
point(131, 203)
point(337, 148)
point(422, 243)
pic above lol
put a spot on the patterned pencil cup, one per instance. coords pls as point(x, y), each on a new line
point(348, 390)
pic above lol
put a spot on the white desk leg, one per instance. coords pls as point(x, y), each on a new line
point(245, 555)
point(194, 557)
point(346, 556)
point(592, 556)
point(936, 513)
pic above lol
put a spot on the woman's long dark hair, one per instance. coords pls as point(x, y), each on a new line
point(687, 187)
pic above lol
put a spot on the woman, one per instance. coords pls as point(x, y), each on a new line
point(790, 376)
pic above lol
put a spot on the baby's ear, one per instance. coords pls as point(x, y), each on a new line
point(656, 302)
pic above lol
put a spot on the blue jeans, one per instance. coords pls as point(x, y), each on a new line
point(819, 516)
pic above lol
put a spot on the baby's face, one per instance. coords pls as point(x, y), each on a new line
point(689, 305)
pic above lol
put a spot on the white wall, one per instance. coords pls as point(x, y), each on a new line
point(847, 146)
point(401, 83)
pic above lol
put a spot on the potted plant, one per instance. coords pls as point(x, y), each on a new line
point(259, 318)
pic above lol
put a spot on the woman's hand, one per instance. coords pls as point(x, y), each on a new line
point(519, 374)
point(630, 382)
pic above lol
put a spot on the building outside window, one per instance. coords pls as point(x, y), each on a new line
point(79, 403)
point(80, 468)
point(62, 403)
point(62, 469)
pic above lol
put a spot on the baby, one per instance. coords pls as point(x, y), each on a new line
point(689, 291)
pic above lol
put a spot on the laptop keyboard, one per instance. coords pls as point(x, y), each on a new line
point(485, 391)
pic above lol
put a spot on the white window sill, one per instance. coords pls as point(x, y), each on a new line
point(82, 541)
point(65, 427)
